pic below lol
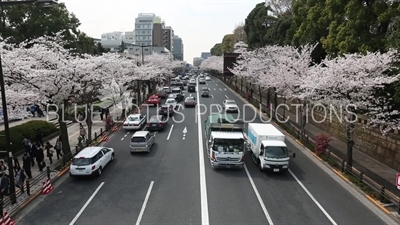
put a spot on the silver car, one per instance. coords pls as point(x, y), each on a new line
point(142, 141)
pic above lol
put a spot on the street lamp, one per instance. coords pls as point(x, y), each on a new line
point(7, 134)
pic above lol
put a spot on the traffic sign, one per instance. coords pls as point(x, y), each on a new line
point(398, 180)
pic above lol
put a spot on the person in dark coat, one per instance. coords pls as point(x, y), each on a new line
point(39, 137)
point(4, 182)
point(26, 165)
point(33, 153)
point(40, 158)
point(49, 152)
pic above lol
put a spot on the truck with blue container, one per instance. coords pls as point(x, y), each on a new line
point(268, 147)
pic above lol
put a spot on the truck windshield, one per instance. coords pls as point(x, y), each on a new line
point(276, 152)
point(228, 145)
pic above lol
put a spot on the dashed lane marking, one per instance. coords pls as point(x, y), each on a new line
point(226, 97)
point(220, 89)
point(215, 89)
point(216, 84)
point(212, 96)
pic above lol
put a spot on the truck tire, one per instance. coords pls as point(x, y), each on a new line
point(260, 166)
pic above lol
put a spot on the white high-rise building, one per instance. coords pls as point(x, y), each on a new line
point(144, 28)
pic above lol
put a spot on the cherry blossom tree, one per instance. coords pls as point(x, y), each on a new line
point(43, 66)
point(240, 47)
point(346, 84)
point(213, 64)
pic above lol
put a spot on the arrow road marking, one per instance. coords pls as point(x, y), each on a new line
point(184, 133)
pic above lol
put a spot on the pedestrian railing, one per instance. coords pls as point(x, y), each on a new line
point(334, 160)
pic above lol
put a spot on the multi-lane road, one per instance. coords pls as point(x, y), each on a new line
point(175, 184)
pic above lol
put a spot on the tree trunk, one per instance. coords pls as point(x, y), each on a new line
point(268, 103)
point(138, 97)
point(350, 143)
point(241, 84)
point(275, 103)
point(89, 121)
point(303, 121)
point(64, 133)
point(260, 96)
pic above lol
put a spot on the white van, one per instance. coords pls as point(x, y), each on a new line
point(91, 161)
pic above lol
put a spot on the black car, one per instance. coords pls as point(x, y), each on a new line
point(166, 110)
point(157, 123)
point(205, 92)
point(177, 96)
point(192, 88)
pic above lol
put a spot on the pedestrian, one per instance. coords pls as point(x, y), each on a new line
point(25, 144)
point(82, 132)
point(49, 152)
point(107, 112)
point(40, 158)
point(33, 154)
point(16, 162)
point(101, 110)
point(58, 147)
point(4, 182)
point(20, 179)
point(39, 137)
point(26, 165)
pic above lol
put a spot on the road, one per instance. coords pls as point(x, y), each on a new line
point(175, 184)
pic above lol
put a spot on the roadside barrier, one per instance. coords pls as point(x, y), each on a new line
point(47, 187)
point(6, 220)
point(104, 138)
point(115, 128)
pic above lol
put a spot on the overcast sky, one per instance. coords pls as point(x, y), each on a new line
point(200, 23)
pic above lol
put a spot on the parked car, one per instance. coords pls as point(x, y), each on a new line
point(230, 105)
point(142, 141)
point(91, 161)
point(190, 101)
point(178, 97)
point(154, 100)
point(134, 122)
point(205, 92)
point(157, 123)
point(166, 110)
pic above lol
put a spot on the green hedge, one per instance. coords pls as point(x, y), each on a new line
point(28, 129)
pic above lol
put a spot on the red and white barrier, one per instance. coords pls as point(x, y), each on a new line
point(6, 220)
point(115, 128)
point(47, 187)
point(104, 137)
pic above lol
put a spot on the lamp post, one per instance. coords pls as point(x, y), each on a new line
point(138, 81)
point(13, 198)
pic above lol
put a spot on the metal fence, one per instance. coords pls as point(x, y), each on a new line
point(334, 160)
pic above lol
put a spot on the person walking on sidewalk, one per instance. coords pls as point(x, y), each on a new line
point(20, 179)
point(26, 144)
point(58, 147)
point(40, 158)
point(82, 132)
point(49, 152)
point(33, 154)
point(39, 137)
point(4, 182)
point(26, 165)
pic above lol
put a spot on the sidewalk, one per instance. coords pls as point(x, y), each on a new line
point(73, 132)
point(374, 169)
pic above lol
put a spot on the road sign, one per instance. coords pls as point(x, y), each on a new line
point(398, 180)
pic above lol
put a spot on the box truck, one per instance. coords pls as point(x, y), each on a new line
point(268, 147)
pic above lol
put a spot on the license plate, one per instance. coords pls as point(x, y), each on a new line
point(138, 149)
point(228, 166)
point(276, 170)
point(154, 125)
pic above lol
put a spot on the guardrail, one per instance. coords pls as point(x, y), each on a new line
point(334, 160)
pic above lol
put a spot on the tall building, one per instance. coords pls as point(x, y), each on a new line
point(168, 35)
point(205, 55)
point(158, 30)
point(197, 61)
point(144, 28)
point(178, 47)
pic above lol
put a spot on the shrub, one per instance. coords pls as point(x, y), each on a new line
point(321, 143)
point(27, 129)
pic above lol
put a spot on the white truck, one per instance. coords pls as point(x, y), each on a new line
point(268, 146)
point(226, 142)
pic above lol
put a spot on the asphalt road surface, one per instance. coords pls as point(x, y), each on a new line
point(175, 185)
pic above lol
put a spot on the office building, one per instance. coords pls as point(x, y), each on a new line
point(144, 28)
point(168, 38)
point(178, 47)
point(158, 29)
point(113, 40)
point(197, 61)
point(205, 55)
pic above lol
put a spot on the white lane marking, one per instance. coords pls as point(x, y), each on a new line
point(212, 96)
point(203, 184)
point(146, 199)
point(220, 89)
point(313, 198)
point(170, 131)
point(216, 84)
point(122, 138)
point(144, 128)
point(128, 132)
point(215, 89)
point(258, 196)
point(86, 204)
point(226, 97)
point(224, 89)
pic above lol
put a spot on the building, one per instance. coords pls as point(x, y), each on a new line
point(197, 61)
point(178, 48)
point(158, 29)
point(205, 55)
point(137, 50)
point(114, 39)
point(144, 28)
point(168, 38)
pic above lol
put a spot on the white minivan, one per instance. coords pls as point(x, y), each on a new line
point(91, 161)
